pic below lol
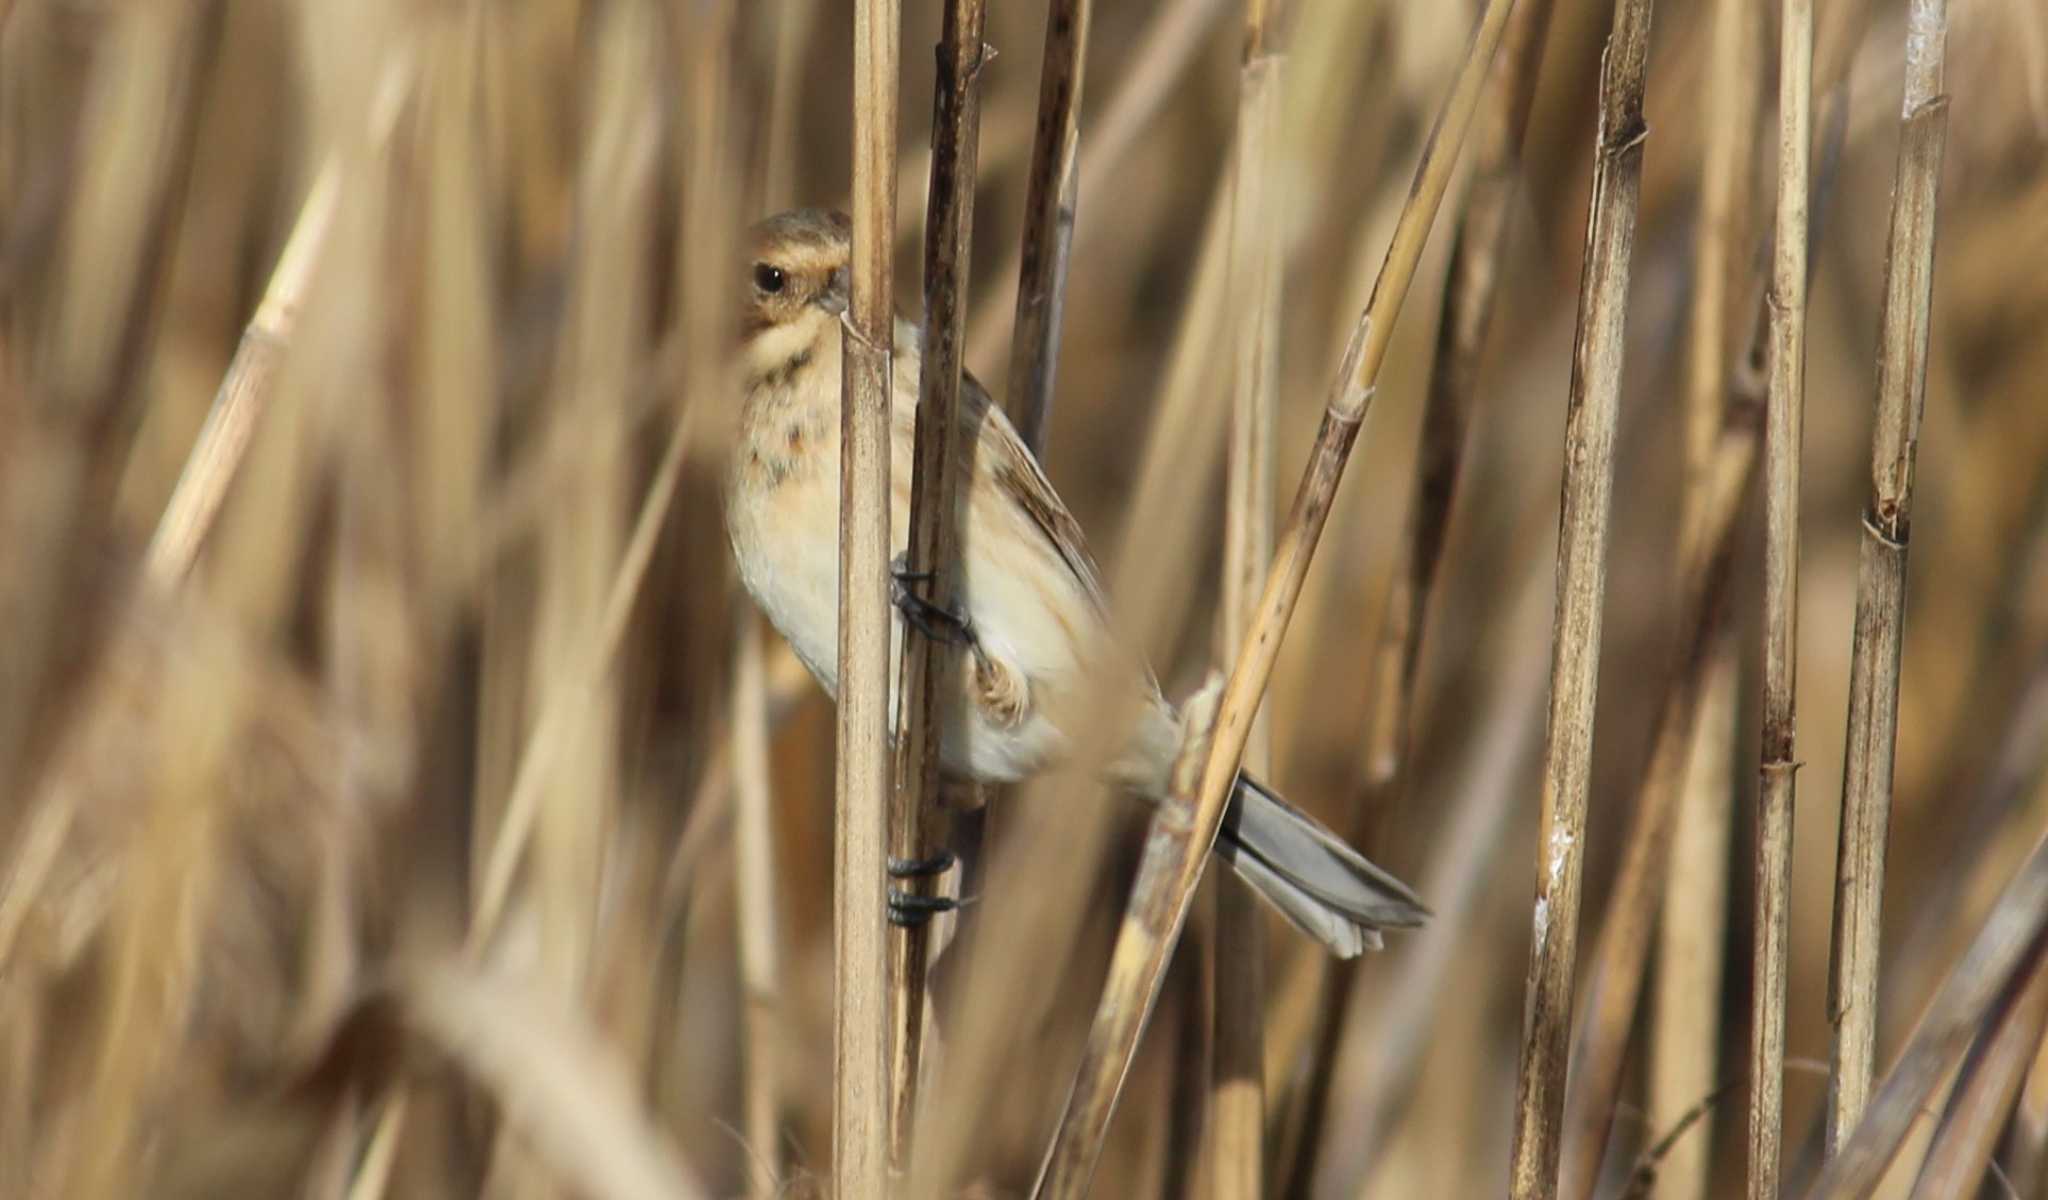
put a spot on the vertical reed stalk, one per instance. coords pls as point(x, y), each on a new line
point(1684, 1055)
point(1615, 980)
point(1238, 1103)
point(1784, 426)
point(861, 1102)
point(1173, 861)
point(1048, 220)
point(1478, 243)
point(915, 830)
point(755, 884)
point(1581, 585)
point(1881, 573)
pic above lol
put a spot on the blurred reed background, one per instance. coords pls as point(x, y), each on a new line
point(438, 821)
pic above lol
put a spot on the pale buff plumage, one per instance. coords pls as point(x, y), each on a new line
point(1028, 588)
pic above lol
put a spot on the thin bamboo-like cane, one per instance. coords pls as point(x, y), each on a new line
point(915, 827)
point(1173, 863)
point(1237, 1088)
point(1478, 243)
point(1048, 220)
point(1615, 982)
point(861, 1101)
point(1785, 424)
point(1581, 586)
point(1881, 572)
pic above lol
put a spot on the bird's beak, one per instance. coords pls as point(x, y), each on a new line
point(833, 298)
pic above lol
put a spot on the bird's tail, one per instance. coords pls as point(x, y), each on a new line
point(1327, 889)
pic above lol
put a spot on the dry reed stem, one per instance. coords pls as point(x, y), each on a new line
point(252, 374)
point(1581, 585)
point(1478, 245)
point(1881, 573)
point(916, 829)
point(1615, 979)
point(1982, 1100)
point(2006, 949)
point(861, 1103)
point(756, 886)
point(1685, 1006)
point(1048, 220)
point(1160, 903)
point(1786, 360)
point(1237, 1085)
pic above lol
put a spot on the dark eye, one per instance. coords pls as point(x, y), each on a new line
point(768, 279)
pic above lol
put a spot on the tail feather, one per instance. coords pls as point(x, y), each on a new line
point(1327, 889)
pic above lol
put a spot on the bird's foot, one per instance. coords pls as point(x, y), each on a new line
point(909, 910)
point(935, 621)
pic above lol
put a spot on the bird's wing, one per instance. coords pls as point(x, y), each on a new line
point(1014, 469)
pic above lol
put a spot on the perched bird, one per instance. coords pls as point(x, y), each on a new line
point(1029, 617)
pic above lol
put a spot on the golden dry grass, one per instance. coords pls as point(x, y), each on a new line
point(415, 825)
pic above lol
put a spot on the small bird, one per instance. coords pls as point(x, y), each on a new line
point(1030, 618)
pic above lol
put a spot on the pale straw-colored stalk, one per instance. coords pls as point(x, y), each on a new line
point(861, 1102)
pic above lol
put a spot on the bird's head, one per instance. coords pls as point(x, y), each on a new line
point(796, 282)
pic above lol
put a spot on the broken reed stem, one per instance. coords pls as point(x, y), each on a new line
point(1478, 243)
point(755, 888)
point(1048, 221)
point(252, 373)
point(1986, 1089)
point(1160, 904)
point(1590, 419)
point(916, 832)
point(1237, 1111)
point(1684, 1055)
point(2007, 948)
point(1881, 573)
point(1614, 984)
point(1777, 785)
point(861, 1103)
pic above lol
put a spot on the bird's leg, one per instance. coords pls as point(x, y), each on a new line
point(908, 909)
point(937, 622)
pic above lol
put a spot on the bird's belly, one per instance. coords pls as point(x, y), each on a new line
point(789, 563)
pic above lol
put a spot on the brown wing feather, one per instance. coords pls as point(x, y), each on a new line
point(1020, 477)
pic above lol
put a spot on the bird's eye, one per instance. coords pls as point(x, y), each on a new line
point(769, 279)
